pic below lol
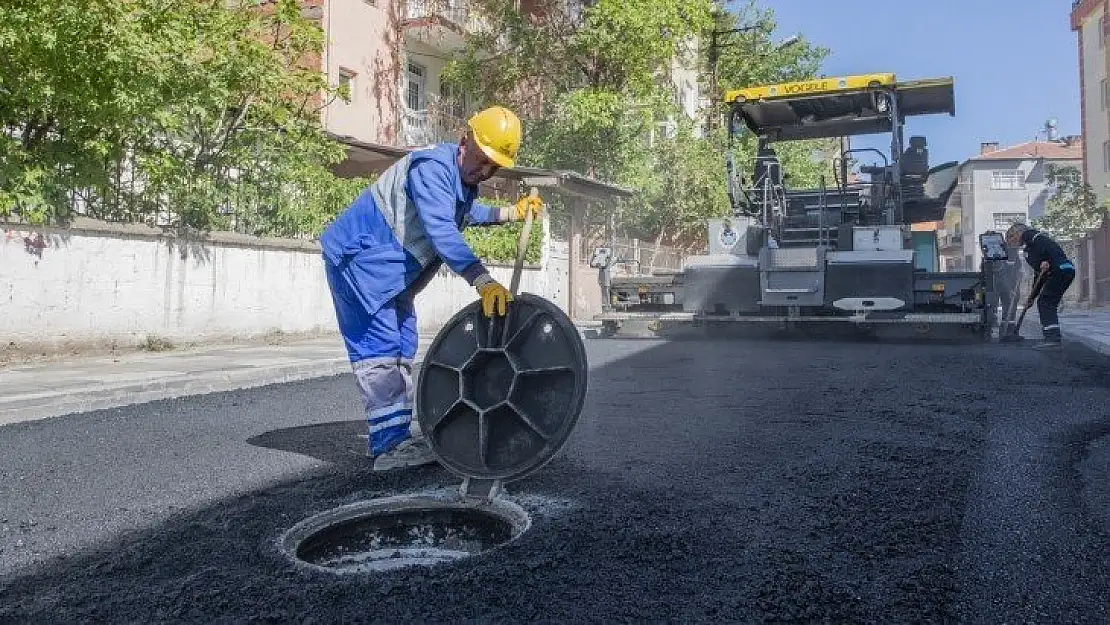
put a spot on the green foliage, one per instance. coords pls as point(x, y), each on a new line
point(597, 74)
point(754, 58)
point(497, 243)
point(602, 77)
point(194, 109)
point(683, 188)
point(1073, 210)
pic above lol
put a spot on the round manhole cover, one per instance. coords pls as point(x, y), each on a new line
point(497, 398)
point(396, 532)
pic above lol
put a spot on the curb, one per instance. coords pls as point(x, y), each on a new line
point(72, 400)
point(1093, 343)
point(103, 397)
point(37, 407)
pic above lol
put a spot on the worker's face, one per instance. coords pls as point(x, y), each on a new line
point(1013, 238)
point(474, 166)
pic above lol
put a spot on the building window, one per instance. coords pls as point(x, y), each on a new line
point(1002, 221)
point(1101, 34)
point(454, 100)
point(1106, 156)
point(347, 80)
point(1105, 94)
point(416, 92)
point(966, 179)
point(662, 131)
point(1007, 180)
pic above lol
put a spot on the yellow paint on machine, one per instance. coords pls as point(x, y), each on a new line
point(831, 84)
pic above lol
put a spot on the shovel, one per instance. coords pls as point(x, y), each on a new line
point(518, 268)
point(1013, 336)
point(522, 246)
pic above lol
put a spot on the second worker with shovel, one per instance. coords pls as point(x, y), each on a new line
point(1045, 256)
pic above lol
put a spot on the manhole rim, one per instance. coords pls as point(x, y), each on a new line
point(516, 516)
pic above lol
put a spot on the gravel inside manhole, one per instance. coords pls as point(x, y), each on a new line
point(397, 532)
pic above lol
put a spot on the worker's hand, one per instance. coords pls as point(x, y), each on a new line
point(494, 295)
point(525, 204)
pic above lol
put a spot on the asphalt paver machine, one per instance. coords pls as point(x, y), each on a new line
point(841, 255)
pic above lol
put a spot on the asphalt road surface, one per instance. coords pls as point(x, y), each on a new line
point(706, 481)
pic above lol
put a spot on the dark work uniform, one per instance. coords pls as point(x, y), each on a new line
point(1039, 247)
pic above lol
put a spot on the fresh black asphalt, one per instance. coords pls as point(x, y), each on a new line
point(726, 481)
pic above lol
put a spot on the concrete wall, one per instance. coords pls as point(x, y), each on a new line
point(97, 283)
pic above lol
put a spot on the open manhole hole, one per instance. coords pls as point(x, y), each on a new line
point(496, 399)
point(397, 532)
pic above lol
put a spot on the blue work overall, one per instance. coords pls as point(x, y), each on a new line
point(378, 254)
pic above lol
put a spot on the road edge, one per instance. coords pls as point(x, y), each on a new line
point(103, 398)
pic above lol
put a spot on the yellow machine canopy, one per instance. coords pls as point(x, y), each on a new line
point(838, 106)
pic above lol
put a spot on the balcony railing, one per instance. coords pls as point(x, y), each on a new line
point(458, 12)
point(428, 126)
point(947, 239)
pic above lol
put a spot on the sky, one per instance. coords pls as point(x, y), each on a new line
point(1015, 63)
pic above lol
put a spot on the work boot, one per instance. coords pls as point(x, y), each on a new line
point(411, 452)
point(1052, 340)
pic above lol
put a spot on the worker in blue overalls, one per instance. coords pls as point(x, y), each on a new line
point(385, 248)
point(1045, 256)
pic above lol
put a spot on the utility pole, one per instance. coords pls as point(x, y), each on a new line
point(714, 57)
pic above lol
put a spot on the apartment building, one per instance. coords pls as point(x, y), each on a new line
point(1089, 22)
point(391, 54)
point(999, 187)
point(683, 74)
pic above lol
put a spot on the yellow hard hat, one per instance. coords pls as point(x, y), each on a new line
point(497, 131)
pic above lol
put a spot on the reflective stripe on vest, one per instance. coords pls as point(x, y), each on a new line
point(392, 198)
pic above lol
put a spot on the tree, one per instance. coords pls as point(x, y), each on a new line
point(586, 80)
point(72, 81)
point(1073, 209)
point(590, 82)
point(195, 110)
point(753, 58)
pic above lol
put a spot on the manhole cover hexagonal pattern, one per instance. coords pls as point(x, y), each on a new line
point(497, 398)
point(487, 378)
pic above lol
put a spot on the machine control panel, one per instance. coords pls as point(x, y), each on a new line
point(993, 245)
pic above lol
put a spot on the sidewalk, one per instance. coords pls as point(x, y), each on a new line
point(40, 391)
point(1090, 327)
